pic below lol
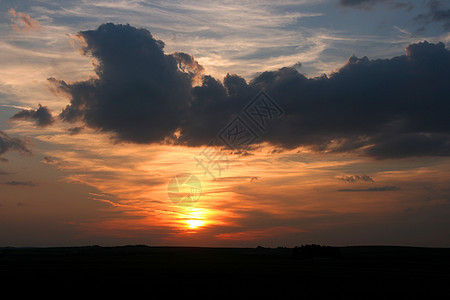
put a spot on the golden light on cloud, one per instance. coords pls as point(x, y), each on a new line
point(23, 22)
point(257, 234)
point(258, 197)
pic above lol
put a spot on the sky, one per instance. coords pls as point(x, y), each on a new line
point(225, 123)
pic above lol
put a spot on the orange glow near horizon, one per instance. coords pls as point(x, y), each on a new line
point(258, 197)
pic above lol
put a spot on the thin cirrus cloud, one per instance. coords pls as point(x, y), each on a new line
point(374, 189)
point(218, 40)
point(19, 183)
point(436, 10)
point(378, 108)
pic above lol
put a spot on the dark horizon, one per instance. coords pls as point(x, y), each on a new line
point(350, 272)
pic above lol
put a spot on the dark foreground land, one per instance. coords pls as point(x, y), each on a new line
point(366, 272)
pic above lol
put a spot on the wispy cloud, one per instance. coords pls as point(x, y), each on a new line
point(23, 22)
point(288, 201)
point(8, 143)
point(238, 178)
point(374, 189)
point(19, 183)
point(368, 4)
point(438, 11)
point(4, 172)
point(17, 106)
point(216, 33)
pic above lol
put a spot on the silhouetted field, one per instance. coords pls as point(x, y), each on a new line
point(358, 273)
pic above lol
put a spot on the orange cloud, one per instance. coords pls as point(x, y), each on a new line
point(251, 235)
point(22, 22)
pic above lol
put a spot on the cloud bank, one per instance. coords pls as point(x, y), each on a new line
point(384, 108)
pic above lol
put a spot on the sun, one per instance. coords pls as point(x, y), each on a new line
point(193, 224)
point(194, 218)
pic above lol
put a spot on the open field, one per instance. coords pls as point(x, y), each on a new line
point(361, 272)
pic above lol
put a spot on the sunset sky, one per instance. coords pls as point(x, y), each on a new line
point(343, 105)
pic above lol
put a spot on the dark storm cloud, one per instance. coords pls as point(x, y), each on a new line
point(412, 144)
point(390, 107)
point(436, 13)
point(140, 95)
point(8, 143)
point(41, 116)
point(385, 108)
point(394, 107)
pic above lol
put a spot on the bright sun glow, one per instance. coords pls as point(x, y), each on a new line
point(195, 223)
